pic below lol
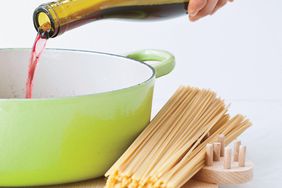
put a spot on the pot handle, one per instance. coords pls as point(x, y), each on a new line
point(162, 61)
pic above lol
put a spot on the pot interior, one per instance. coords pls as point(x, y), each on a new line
point(62, 73)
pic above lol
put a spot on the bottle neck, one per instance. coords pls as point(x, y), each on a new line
point(46, 21)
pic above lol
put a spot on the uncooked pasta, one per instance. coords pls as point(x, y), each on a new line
point(171, 150)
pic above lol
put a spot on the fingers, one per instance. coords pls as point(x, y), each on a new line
point(195, 6)
point(200, 8)
point(208, 9)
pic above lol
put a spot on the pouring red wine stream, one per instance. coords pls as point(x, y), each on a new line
point(37, 49)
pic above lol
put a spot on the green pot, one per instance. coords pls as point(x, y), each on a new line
point(87, 109)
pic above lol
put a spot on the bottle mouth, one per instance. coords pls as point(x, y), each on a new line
point(44, 22)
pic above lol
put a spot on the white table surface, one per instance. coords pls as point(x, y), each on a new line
point(237, 53)
point(263, 140)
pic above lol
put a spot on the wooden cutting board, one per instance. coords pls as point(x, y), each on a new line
point(100, 183)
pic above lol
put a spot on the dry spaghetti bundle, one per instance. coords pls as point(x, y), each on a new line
point(172, 148)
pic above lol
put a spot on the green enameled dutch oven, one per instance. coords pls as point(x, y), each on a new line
point(87, 109)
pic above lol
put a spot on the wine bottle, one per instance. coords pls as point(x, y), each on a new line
point(55, 18)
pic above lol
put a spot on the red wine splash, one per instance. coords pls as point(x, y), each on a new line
point(37, 49)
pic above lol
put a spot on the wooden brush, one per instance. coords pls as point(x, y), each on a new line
point(226, 171)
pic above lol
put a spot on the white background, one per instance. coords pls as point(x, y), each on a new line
point(237, 52)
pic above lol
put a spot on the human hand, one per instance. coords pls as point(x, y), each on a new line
point(201, 8)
